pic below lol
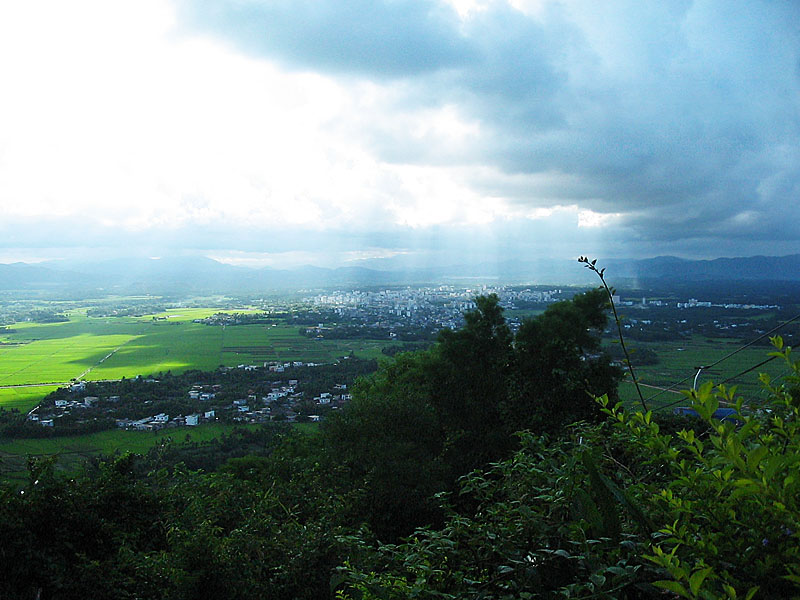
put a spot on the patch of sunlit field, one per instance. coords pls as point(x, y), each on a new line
point(58, 352)
point(254, 344)
point(23, 398)
point(190, 314)
point(96, 348)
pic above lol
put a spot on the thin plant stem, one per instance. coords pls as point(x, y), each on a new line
point(592, 266)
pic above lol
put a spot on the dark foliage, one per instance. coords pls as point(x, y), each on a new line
point(430, 417)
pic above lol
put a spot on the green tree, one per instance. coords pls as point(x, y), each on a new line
point(468, 386)
point(389, 440)
point(559, 368)
point(430, 417)
point(728, 499)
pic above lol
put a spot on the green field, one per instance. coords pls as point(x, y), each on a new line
point(94, 348)
point(23, 398)
point(72, 451)
point(679, 360)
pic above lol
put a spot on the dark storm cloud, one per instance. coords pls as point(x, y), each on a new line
point(683, 116)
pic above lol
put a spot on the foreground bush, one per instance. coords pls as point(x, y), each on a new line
point(635, 506)
point(729, 509)
point(618, 510)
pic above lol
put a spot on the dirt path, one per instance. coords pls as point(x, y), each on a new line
point(99, 362)
point(78, 378)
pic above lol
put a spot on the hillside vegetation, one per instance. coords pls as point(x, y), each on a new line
point(422, 488)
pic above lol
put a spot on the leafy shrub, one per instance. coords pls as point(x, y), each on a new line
point(624, 509)
point(730, 509)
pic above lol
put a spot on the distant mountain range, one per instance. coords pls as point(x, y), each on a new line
point(204, 275)
point(763, 268)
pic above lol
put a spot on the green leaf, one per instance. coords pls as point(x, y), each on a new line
point(337, 579)
point(747, 428)
point(755, 455)
point(730, 590)
point(599, 480)
point(673, 586)
point(697, 579)
point(503, 569)
point(597, 579)
point(774, 463)
point(603, 496)
point(585, 508)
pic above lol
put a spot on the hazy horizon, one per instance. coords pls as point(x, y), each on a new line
point(433, 132)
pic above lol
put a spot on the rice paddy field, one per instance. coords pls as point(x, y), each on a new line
point(23, 398)
point(679, 360)
point(95, 348)
point(73, 451)
point(36, 358)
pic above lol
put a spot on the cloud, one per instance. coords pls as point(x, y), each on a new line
point(399, 126)
point(671, 115)
point(397, 38)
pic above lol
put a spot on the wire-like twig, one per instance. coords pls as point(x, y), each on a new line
point(592, 266)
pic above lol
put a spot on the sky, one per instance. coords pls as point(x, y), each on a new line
point(288, 132)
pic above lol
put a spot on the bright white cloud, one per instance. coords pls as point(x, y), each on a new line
point(120, 120)
point(599, 118)
point(588, 218)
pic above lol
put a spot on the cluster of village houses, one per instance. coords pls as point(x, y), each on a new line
point(280, 404)
point(66, 406)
